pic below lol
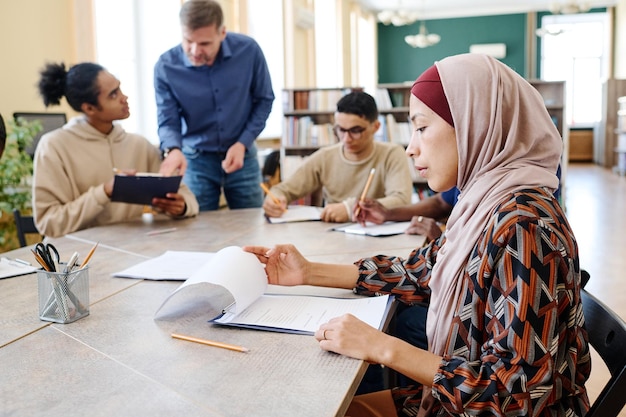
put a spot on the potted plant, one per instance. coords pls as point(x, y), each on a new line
point(16, 171)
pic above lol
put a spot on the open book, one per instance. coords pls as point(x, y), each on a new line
point(297, 213)
point(232, 288)
point(171, 265)
point(143, 187)
point(371, 229)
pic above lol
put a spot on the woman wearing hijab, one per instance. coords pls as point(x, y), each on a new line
point(505, 323)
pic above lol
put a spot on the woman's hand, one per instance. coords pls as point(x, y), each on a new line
point(352, 337)
point(284, 264)
point(425, 226)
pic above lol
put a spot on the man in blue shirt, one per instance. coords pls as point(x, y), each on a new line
point(213, 94)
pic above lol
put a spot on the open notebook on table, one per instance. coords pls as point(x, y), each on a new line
point(14, 267)
point(297, 213)
point(371, 229)
point(234, 291)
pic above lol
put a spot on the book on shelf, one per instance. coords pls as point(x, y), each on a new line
point(383, 99)
point(232, 289)
point(303, 131)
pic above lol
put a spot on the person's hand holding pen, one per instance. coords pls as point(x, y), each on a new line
point(273, 205)
point(357, 209)
point(370, 210)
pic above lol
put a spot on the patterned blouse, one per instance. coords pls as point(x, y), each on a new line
point(517, 346)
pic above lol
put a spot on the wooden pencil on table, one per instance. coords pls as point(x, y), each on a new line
point(210, 343)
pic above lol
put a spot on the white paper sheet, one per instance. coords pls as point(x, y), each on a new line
point(371, 229)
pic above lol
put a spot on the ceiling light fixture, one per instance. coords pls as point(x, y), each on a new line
point(397, 17)
point(569, 7)
point(423, 39)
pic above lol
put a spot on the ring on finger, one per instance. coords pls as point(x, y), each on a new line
point(324, 334)
point(420, 218)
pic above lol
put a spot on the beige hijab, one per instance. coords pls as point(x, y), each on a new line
point(506, 142)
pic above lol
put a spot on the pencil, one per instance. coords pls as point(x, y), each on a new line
point(210, 343)
point(161, 231)
point(40, 260)
point(89, 255)
point(268, 192)
point(365, 190)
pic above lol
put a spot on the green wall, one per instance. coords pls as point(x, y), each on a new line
point(398, 62)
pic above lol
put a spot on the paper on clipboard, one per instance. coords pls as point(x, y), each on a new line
point(143, 187)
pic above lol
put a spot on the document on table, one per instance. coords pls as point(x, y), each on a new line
point(298, 214)
point(143, 187)
point(172, 265)
point(252, 303)
point(13, 268)
point(371, 229)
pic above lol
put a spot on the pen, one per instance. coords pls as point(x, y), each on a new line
point(210, 343)
point(268, 192)
point(20, 261)
point(71, 263)
point(160, 232)
point(365, 190)
point(89, 255)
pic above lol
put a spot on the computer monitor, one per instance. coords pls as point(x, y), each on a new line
point(49, 121)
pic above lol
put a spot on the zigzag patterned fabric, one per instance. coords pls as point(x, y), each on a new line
point(517, 346)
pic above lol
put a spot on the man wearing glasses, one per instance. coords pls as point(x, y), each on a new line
point(342, 170)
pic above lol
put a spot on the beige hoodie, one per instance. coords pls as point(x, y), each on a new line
point(72, 164)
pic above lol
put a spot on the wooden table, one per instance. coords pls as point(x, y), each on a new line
point(120, 361)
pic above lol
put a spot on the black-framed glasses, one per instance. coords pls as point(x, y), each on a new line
point(354, 132)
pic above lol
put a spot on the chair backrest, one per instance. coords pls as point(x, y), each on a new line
point(607, 335)
point(49, 121)
point(24, 225)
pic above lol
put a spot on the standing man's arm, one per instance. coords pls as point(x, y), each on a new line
point(168, 118)
point(262, 97)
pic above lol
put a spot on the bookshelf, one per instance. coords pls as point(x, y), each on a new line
point(392, 100)
point(393, 106)
point(307, 123)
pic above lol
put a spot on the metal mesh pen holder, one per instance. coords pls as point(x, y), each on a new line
point(63, 297)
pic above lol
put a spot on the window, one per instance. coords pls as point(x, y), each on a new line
point(575, 49)
point(265, 25)
point(328, 68)
point(130, 36)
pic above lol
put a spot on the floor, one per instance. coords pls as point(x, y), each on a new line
point(595, 203)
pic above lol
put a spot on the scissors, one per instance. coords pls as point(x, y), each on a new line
point(49, 255)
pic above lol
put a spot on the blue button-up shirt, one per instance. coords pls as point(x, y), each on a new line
point(210, 108)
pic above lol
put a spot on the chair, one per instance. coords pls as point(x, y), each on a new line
point(607, 335)
point(49, 121)
point(24, 225)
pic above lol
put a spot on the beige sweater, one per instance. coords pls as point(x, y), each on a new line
point(72, 164)
point(343, 180)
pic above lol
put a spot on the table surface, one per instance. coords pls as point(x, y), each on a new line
point(120, 360)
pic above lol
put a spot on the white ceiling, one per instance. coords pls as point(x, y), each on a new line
point(437, 9)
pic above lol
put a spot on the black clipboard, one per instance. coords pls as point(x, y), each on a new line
point(142, 188)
